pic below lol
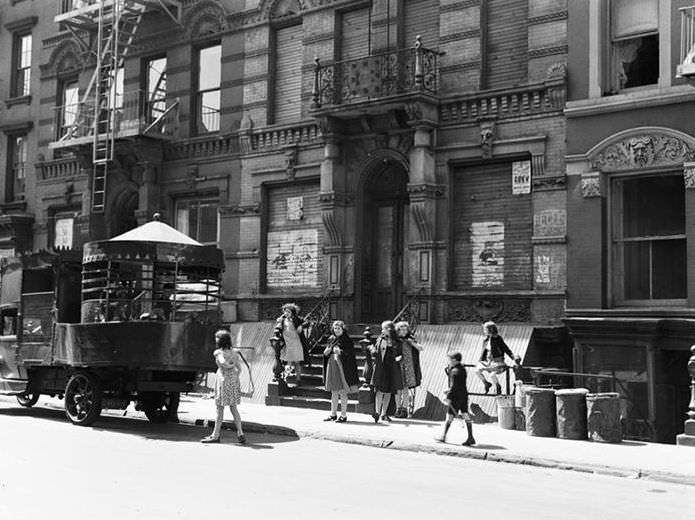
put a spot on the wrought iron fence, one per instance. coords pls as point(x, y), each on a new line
point(380, 75)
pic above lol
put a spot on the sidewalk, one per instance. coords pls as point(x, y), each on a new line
point(632, 459)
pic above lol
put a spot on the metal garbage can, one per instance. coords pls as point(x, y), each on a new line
point(570, 404)
point(603, 417)
point(540, 412)
point(505, 411)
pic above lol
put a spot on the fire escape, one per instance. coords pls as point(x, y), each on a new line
point(105, 113)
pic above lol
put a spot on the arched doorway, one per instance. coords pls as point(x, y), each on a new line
point(123, 215)
point(381, 241)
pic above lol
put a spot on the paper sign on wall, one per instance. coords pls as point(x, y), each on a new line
point(487, 243)
point(521, 177)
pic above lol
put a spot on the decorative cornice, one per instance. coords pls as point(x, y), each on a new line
point(21, 100)
point(16, 128)
point(23, 24)
point(251, 209)
point(689, 175)
point(647, 149)
point(426, 190)
point(336, 198)
point(548, 183)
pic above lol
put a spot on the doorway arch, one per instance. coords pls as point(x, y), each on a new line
point(382, 225)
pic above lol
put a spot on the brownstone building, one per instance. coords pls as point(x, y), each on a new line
point(630, 145)
point(370, 150)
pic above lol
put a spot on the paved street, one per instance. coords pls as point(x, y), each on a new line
point(127, 468)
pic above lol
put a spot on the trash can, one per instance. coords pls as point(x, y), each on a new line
point(571, 413)
point(520, 405)
point(505, 411)
point(603, 417)
point(540, 412)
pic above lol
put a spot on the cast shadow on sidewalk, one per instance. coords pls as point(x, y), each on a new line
point(139, 426)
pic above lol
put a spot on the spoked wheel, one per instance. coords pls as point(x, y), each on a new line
point(161, 407)
point(83, 398)
point(27, 400)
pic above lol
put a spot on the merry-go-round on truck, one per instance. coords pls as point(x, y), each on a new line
point(132, 320)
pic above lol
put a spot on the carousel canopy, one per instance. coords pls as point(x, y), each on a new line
point(155, 231)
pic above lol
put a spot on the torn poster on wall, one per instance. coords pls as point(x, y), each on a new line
point(521, 177)
point(487, 243)
point(292, 258)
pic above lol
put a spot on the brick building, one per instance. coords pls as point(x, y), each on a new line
point(373, 150)
point(630, 144)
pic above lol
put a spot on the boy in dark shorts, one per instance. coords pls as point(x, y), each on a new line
point(457, 398)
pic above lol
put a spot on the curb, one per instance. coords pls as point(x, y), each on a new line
point(456, 451)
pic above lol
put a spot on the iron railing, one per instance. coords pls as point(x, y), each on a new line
point(389, 73)
point(77, 120)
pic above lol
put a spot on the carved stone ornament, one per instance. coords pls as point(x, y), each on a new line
point(689, 175)
point(478, 310)
point(205, 18)
point(591, 185)
point(487, 137)
point(66, 57)
point(291, 163)
point(413, 111)
point(644, 151)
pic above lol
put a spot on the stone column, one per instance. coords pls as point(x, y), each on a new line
point(687, 438)
point(148, 192)
point(421, 260)
point(334, 201)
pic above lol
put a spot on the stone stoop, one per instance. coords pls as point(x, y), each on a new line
point(311, 394)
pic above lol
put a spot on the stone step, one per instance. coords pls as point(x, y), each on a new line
point(305, 390)
point(314, 403)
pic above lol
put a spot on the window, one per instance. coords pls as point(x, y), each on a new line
point(68, 94)
point(17, 159)
point(198, 219)
point(649, 247)
point(21, 81)
point(634, 49)
point(155, 87)
point(208, 95)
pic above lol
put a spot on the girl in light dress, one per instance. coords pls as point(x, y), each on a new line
point(341, 370)
point(289, 325)
point(411, 373)
point(227, 385)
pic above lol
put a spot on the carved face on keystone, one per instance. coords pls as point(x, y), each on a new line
point(486, 136)
point(642, 150)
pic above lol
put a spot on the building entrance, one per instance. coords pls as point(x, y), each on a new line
point(381, 243)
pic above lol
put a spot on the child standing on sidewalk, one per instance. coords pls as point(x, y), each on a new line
point(341, 370)
point(456, 398)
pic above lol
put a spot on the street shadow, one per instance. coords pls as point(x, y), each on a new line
point(486, 447)
point(256, 436)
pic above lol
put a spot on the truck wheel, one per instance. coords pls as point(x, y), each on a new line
point(27, 400)
point(161, 407)
point(83, 398)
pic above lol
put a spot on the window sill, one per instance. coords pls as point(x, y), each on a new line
point(635, 99)
point(21, 100)
point(16, 205)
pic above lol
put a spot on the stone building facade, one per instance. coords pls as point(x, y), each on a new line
point(370, 150)
point(630, 144)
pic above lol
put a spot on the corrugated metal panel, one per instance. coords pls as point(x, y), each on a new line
point(287, 104)
point(354, 30)
point(440, 340)
point(421, 17)
point(507, 43)
point(483, 200)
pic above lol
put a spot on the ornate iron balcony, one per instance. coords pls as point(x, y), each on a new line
point(390, 73)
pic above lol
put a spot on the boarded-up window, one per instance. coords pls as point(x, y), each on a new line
point(293, 238)
point(287, 102)
point(421, 17)
point(492, 230)
point(354, 34)
point(506, 43)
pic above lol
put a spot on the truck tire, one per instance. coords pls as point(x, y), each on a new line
point(27, 400)
point(83, 398)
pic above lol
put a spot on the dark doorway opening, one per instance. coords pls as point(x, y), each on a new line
point(382, 242)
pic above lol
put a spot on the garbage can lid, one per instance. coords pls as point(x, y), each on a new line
point(603, 395)
point(572, 391)
point(536, 390)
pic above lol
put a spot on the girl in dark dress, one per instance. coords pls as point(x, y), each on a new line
point(411, 372)
point(386, 379)
point(341, 370)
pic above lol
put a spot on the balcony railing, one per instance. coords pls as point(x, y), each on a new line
point(131, 116)
point(686, 68)
point(391, 73)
